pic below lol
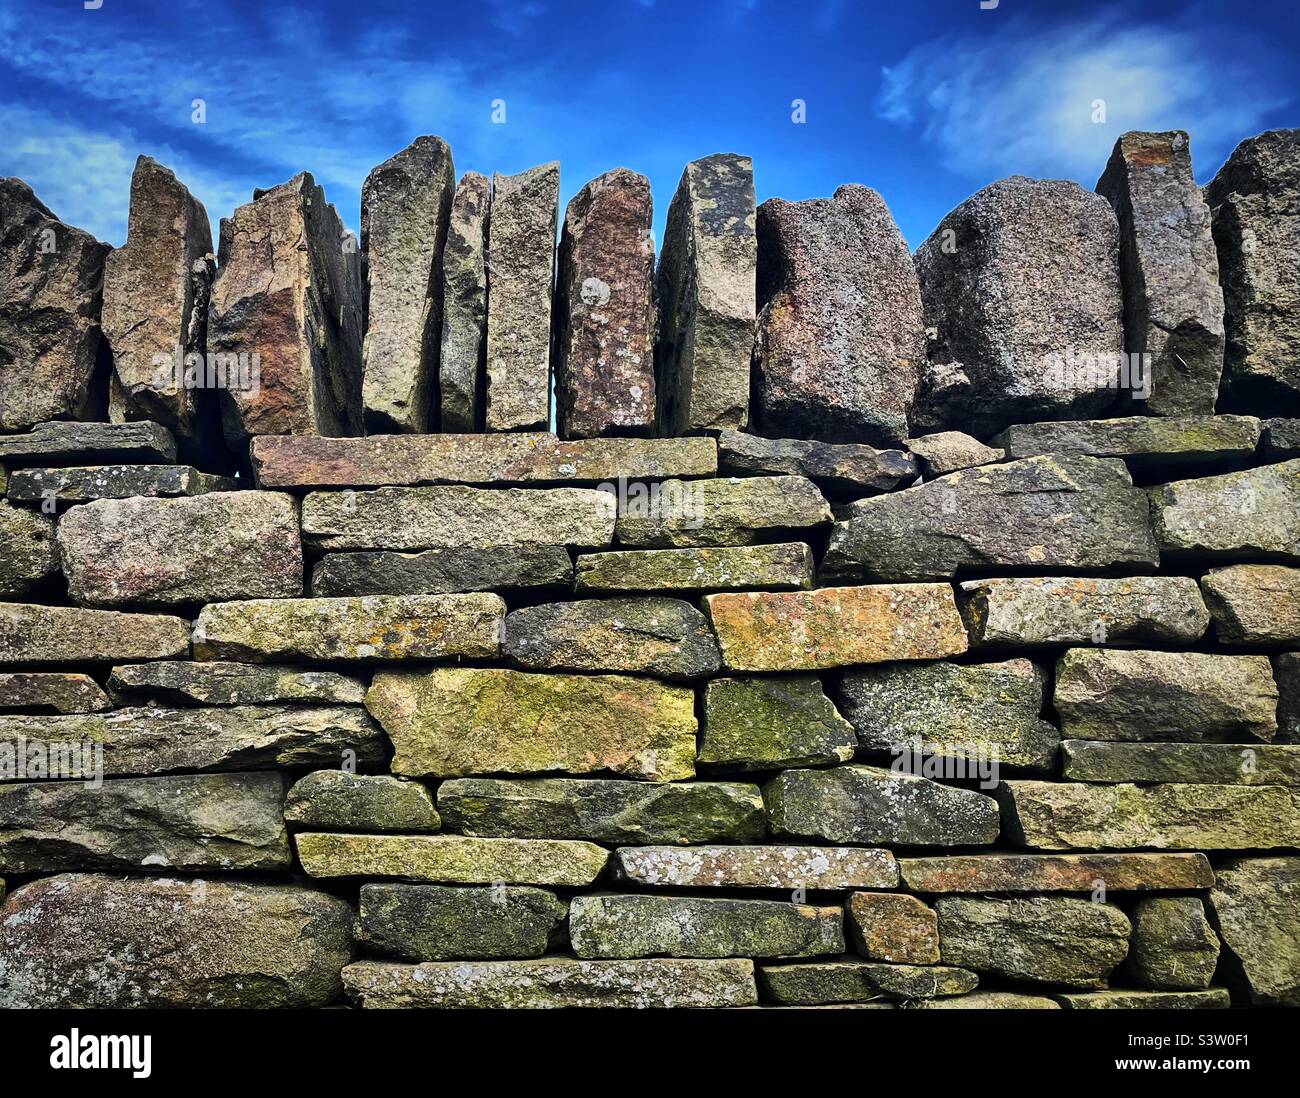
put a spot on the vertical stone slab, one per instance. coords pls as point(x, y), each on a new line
point(521, 269)
point(405, 208)
point(1021, 291)
point(604, 366)
point(1173, 306)
point(841, 343)
point(1255, 199)
point(51, 285)
point(464, 305)
point(289, 290)
point(707, 294)
point(156, 290)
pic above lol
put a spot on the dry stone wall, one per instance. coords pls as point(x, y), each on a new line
point(877, 630)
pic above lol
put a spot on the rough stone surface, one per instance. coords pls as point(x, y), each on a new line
point(606, 324)
point(1057, 512)
point(1111, 694)
point(771, 723)
point(1214, 999)
point(1207, 763)
point(156, 289)
point(454, 517)
point(66, 634)
point(1286, 670)
point(1021, 285)
point(51, 692)
point(464, 305)
point(154, 552)
point(720, 512)
point(990, 1000)
point(836, 626)
point(1039, 939)
point(1255, 199)
point(1254, 603)
point(30, 552)
point(618, 927)
point(518, 457)
point(150, 740)
point(289, 290)
point(978, 711)
point(1248, 515)
point(92, 482)
point(1148, 444)
point(1056, 872)
point(422, 922)
point(405, 208)
point(441, 571)
point(654, 636)
point(521, 266)
point(604, 811)
point(377, 627)
point(847, 469)
point(893, 927)
point(452, 859)
point(451, 722)
point(51, 287)
point(1173, 306)
point(841, 342)
point(85, 940)
point(1255, 905)
point(1173, 947)
point(707, 297)
point(78, 443)
point(340, 800)
point(861, 981)
point(783, 867)
point(786, 566)
point(947, 452)
point(867, 804)
point(1280, 439)
point(1071, 816)
point(1040, 610)
point(553, 982)
point(229, 822)
point(181, 682)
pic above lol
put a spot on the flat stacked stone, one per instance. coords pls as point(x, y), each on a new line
point(441, 571)
point(451, 859)
point(771, 723)
point(452, 722)
point(1124, 999)
point(1056, 872)
point(1174, 947)
point(1250, 515)
point(78, 443)
point(624, 926)
point(1280, 439)
point(842, 469)
point(1206, 763)
point(153, 740)
point(785, 566)
point(31, 552)
point(1254, 603)
point(836, 626)
point(892, 927)
point(607, 320)
point(191, 822)
point(51, 692)
point(707, 297)
point(343, 801)
point(91, 482)
point(1255, 904)
point(604, 811)
point(1066, 511)
point(64, 634)
point(947, 452)
point(1173, 306)
point(182, 682)
point(405, 209)
point(521, 268)
point(861, 981)
point(51, 289)
point(464, 305)
point(1147, 444)
point(783, 867)
point(991, 1000)
point(379, 627)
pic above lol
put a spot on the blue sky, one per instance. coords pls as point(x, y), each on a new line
point(925, 100)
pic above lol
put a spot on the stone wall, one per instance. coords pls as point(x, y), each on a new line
point(871, 632)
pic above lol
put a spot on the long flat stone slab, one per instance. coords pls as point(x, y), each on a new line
point(1206, 763)
point(84, 483)
point(64, 634)
point(780, 567)
point(500, 458)
point(87, 443)
point(441, 571)
point(1056, 872)
point(1144, 442)
point(782, 867)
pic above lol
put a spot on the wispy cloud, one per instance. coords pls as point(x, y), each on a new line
point(1021, 97)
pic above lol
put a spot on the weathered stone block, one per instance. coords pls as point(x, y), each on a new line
point(31, 554)
point(62, 443)
point(1254, 603)
point(836, 626)
point(1286, 670)
point(783, 867)
point(1214, 999)
point(65, 634)
point(604, 811)
point(1280, 439)
point(464, 304)
point(846, 469)
point(378, 627)
point(893, 927)
point(1253, 514)
point(769, 567)
point(1148, 444)
point(1255, 905)
point(861, 981)
point(92, 482)
point(613, 926)
point(451, 722)
point(341, 800)
point(990, 1000)
point(441, 571)
point(768, 724)
point(1056, 872)
point(1173, 947)
point(181, 682)
point(85, 940)
point(706, 291)
point(1207, 763)
point(947, 452)
point(51, 692)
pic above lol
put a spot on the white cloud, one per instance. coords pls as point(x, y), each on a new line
point(1021, 97)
